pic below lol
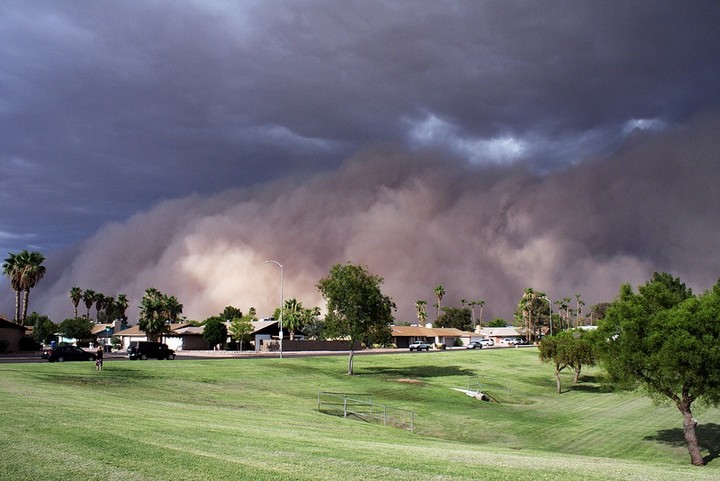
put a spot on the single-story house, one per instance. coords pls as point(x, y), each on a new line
point(498, 334)
point(186, 337)
point(12, 333)
point(403, 336)
point(134, 333)
point(104, 332)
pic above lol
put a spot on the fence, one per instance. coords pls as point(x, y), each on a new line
point(361, 406)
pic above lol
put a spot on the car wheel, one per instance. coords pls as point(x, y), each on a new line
point(61, 359)
point(171, 357)
point(143, 357)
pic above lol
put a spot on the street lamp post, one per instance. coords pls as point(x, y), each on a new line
point(282, 300)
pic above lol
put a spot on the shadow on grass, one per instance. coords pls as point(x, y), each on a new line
point(113, 376)
point(708, 438)
point(418, 371)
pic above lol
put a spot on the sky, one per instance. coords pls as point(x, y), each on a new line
point(488, 146)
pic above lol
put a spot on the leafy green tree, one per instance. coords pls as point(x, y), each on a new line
point(76, 328)
point(75, 298)
point(357, 308)
point(240, 329)
point(230, 312)
point(456, 317)
point(573, 349)
point(312, 325)
point(597, 312)
point(215, 331)
point(497, 322)
point(667, 341)
point(43, 328)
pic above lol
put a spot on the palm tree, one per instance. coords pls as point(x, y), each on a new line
point(173, 308)
point(529, 310)
point(578, 309)
point(100, 301)
point(111, 308)
point(32, 271)
point(152, 314)
point(75, 297)
point(292, 316)
point(89, 299)
point(439, 294)
point(122, 305)
point(11, 269)
point(472, 305)
point(421, 307)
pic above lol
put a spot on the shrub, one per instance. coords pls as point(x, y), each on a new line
point(27, 343)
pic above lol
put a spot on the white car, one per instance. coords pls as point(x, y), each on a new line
point(486, 342)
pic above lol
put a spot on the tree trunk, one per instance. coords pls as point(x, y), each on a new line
point(557, 380)
point(577, 375)
point(26, 298)
point(350, 361)
point(17, 308)
point(689, 424)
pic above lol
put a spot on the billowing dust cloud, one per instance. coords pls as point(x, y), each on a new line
point(419, 221)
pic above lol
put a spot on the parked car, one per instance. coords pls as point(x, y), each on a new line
point(420, 346)
point(486, 342)
point(146, 350)
point(474, 345)
point(69, 353)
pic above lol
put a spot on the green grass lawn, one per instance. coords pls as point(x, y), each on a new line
point(257, 419)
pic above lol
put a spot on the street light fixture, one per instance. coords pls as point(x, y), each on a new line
point(282, 300)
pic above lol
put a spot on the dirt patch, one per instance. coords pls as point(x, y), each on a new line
point(407, 381)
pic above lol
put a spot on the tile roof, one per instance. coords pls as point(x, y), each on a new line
point(417, 331)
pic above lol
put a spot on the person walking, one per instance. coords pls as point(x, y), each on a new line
point(99, 359)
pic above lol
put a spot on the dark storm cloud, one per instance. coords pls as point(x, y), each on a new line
point(107, 108)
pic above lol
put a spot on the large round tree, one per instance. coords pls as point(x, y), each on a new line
point(357, 308)
point(667, 341)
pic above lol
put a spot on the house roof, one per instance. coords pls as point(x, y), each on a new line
point(100, 328)
point(189, 330)
point(499, 331)
point(4, 323)
point(136, 331)
point(417, 331)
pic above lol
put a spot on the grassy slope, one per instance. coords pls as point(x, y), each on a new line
point(256, 419)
